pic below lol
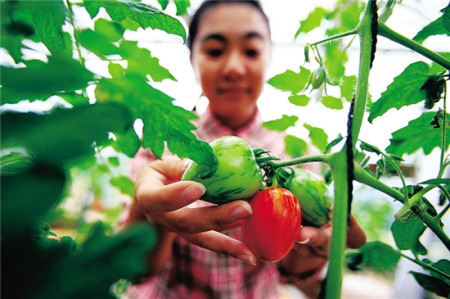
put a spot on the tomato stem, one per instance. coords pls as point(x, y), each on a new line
point(387, 32)
point(300, 160)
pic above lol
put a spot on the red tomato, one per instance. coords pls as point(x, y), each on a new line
point(270, 232)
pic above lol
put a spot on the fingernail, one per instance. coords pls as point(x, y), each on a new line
point(303, 238)
point(194, 191)
point(185, 164)
point(241, 211)
point(249, 259)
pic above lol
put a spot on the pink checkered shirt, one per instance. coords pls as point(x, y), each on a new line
point(195, 272)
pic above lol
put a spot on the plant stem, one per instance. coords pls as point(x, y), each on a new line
point(337, 36)
point(425, 265)
point(300, 160)
point(365, 178)
point(387, 32)
point(431, 222)
point(338, 165)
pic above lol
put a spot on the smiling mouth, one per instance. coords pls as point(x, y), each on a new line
point(236, 91)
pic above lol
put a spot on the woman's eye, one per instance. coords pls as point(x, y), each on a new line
point(251, 52)
point(214, 52)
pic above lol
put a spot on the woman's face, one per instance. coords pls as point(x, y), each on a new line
point(230, 56)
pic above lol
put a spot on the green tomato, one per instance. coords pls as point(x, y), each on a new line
point(318, 77)
point(237, 176)
point(312, 192)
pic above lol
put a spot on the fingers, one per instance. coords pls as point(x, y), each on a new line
point(166, 198)
point(356, 236)
point(317, 239)
point(194, 220)
point(221, 243)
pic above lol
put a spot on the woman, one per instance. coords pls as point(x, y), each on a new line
point(196, 256)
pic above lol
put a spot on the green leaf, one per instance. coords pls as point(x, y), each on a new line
point(42, 80)
point(27, 197)
point(163, 3)
point(446, 18)
point(332, 102)
point(142, 62)
point(335, 59)
point(351, 15)
point(312, 21)
point(294, 146)
point(348, 87)
point(124, 184)
point(128, 142)
point(432, 284)
point(97, 43)
point(375, 255)
point(406, 89)
point(434, 28)
point(63, 134)
point(112, 31)
point(182, 6)
point(439, 26)
point(145, 15)
point(418, 134)
point(291, 81)
point(162, 120)
point(407, 231)
point(48, 18)
point(318, 136)
point(299, 100)
point(281, 124)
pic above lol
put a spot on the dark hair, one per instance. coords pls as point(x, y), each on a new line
point(208, 4)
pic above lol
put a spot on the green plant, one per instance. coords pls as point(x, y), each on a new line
point(419, 82)
point(39, 149)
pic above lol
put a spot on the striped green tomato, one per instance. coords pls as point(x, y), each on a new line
point(237, 176)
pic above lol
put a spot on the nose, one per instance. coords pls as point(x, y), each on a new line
point(234, 66)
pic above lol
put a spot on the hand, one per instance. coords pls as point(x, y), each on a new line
point(310, 254)
point(164, 200)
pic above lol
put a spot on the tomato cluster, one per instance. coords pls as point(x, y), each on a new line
point(270, 232)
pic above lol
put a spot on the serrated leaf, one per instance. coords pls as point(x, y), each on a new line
point(59, 136)
point(97, 43)
point(182, 6)
point(335, 59)
point(348, 87)
point(407, 231)
point(377, 255)
point(48, 18)
point(162, 120)
point(294, 146)
point(60, 74)
point(299, 100)
point(446, 17)
point(145, 15)
point(434, 28)
point(141, 61)
point(128, 142)
point(112, 31)
point(404, 90)
point(282, 123)
point(332, 102)
point(318, 137)
point(124, 184)
point(163, 3)
point(312, 21)
point(291, 81)
point(418, 134)
point(432, 284)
